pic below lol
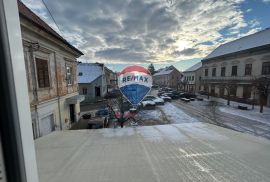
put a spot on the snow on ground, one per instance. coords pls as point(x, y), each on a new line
point(249, 114)
point(253, 114)
point(176, 115)
point(150, 114)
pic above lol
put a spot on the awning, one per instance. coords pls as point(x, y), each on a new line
point(75, 99)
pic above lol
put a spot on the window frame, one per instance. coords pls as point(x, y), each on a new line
point(69, 76)
point(248, 70)
point(266, 68)
point(214, 72)
point(223, 71)
point(234, 74)
point(37, 72)
point(84, 91)
point(206, 72)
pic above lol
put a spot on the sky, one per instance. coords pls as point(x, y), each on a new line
point(120, 33)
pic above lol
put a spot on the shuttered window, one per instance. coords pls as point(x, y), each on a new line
point(42, 73)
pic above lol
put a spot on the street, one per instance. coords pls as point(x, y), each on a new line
point(208, 112)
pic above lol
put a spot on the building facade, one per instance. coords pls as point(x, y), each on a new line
point(50, 62)
point(233, 68)
point(167, 77)
point(92, 81)
point(111, 79)
point(191, 78)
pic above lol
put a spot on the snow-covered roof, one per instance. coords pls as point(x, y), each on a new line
point(251, 41)
point(88, 72)
point(194, 67)
point(165, 71)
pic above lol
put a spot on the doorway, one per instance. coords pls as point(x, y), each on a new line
point(72, 113)
point(97, 91)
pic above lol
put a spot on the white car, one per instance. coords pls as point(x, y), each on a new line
point(146, 103)
point(166, 98)
point(157, 100)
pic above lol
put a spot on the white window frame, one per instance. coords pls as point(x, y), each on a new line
point(69, 75)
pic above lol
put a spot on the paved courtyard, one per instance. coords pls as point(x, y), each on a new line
point(192, 151)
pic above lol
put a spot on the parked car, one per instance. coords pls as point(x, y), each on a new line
point(148, 104)
point(157, 100)
point(173, 96)
point(166, 98)
point(203, 92)
point(113, 94)
point(102, 112)
point(187, 95)
point(161, 93)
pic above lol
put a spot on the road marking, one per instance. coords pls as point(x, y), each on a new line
point(197, 164)
point(201, 154)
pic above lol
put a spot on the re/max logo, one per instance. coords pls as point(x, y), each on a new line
point(135, 78)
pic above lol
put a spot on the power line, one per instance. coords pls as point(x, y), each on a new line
point(52, 17)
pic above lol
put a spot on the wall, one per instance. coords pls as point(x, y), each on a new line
point(254, 58)
point(51, 100)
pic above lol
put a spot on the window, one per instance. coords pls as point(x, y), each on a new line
point(192, 78)
point(234, 70)
point(69, 75)
point(84, 90)
point(223, 71)
point(266, 68)
point(80, 74)
point(214, 70)
point(248, 69)
point(42, 73)
point(206, 72)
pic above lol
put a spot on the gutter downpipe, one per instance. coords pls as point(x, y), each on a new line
point(57, 91)
point(35, 86)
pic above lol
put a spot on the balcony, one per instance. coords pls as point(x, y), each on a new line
point(229, 78)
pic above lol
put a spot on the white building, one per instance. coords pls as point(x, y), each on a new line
point(191, 78)
point(50, 63)
point(92, 81)
point(238, 63)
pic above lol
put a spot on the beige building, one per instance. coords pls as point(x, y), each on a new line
point(238, 64)
point(167, 77)
point(191, 78)
point(111, 79)
point(50, 63)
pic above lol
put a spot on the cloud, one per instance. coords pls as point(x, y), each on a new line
point(144, 31)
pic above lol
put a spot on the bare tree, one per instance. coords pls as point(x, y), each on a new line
point(262, 85)
point(228, 85)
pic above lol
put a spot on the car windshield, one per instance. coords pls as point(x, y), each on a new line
point(136, 90)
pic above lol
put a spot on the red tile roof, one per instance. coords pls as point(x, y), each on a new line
point(31, 16)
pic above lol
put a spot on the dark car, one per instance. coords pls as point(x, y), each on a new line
point(102, 112)
point(113, 94)
point(187, 95)
point(173, 96)
point(203, 92)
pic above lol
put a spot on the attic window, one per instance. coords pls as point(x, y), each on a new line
point(80, 73)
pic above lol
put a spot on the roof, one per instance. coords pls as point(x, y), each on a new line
point(31, 16)
point(90, 72)
point(194, 67)
point(178, 152)
point(165, 71)
point(255, 40)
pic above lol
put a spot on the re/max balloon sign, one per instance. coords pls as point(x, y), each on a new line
point(135, 83)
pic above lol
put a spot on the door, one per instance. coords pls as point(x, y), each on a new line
point(97, 91)
point(72, 113)
point(46, 125)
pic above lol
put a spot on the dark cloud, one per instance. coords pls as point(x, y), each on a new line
point(143, 30)
point(186, 52)
point(122, 55)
